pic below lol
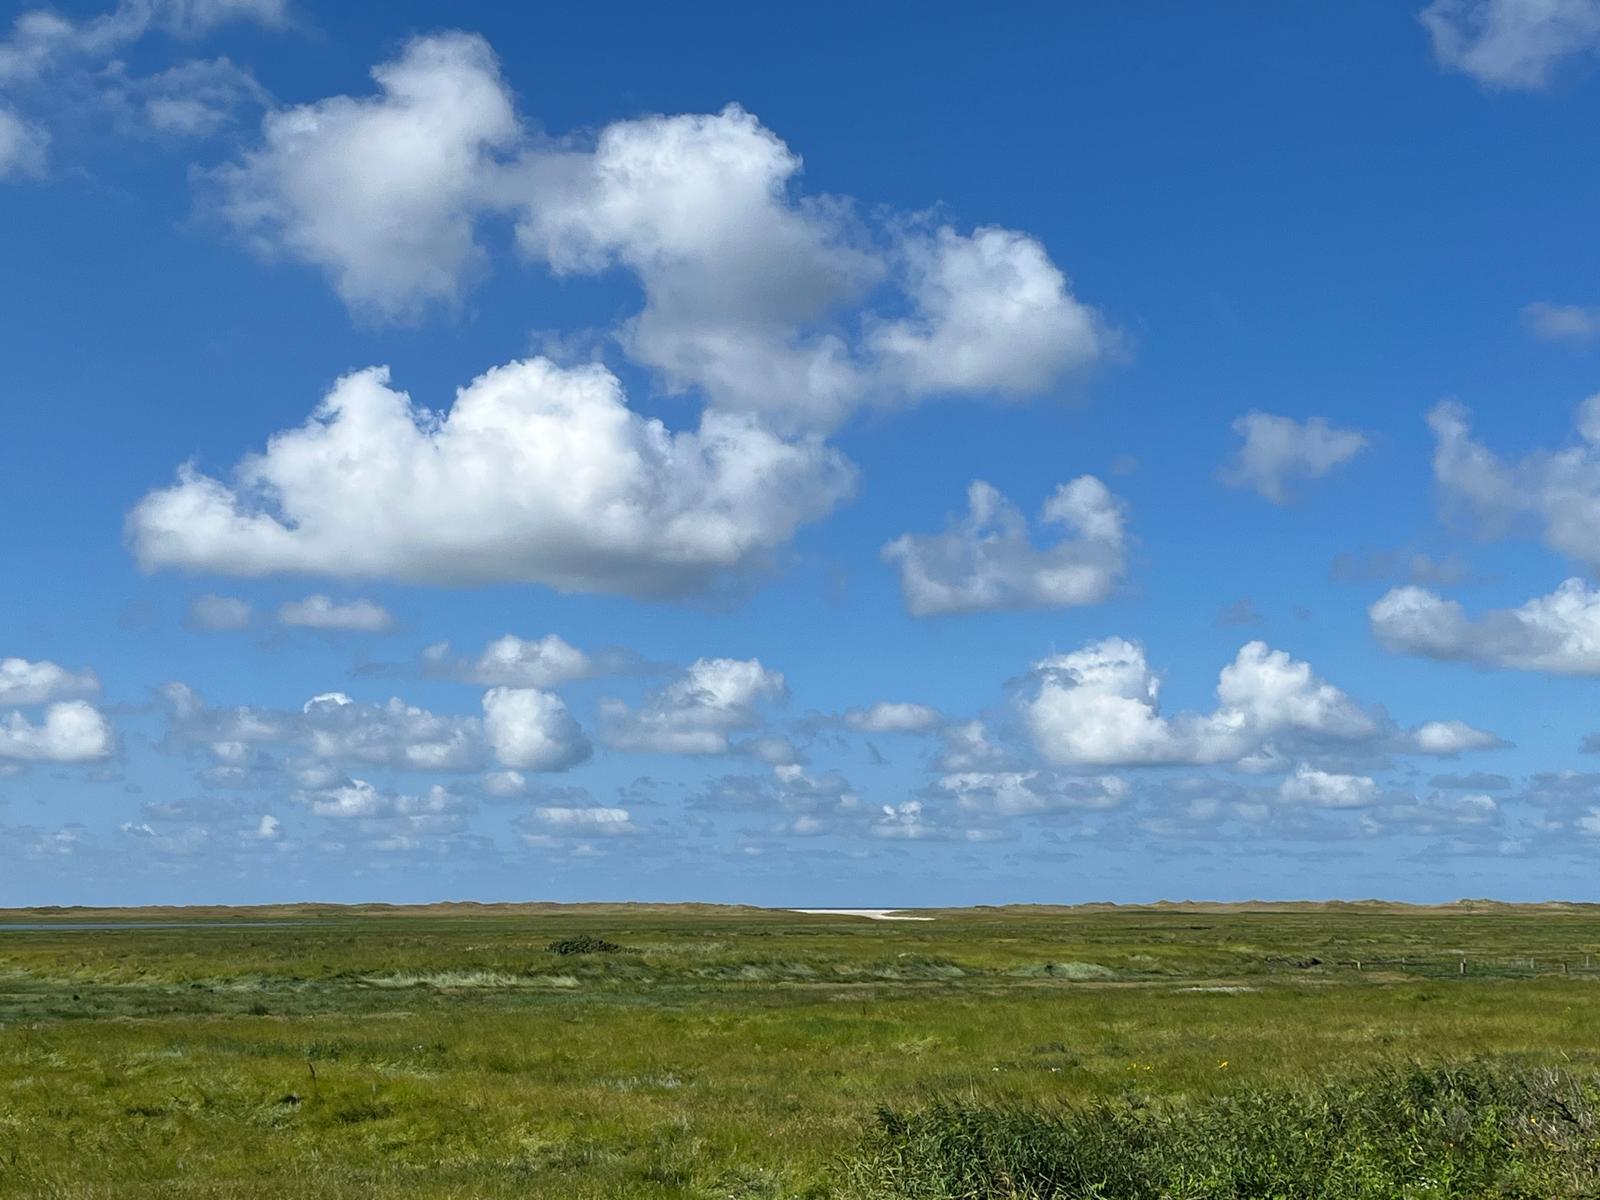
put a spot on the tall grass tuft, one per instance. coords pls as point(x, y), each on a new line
point(1473, 1130)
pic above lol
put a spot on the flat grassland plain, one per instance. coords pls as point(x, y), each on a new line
point(447, 1051)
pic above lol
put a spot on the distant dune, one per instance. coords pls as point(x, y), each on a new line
point(313, 911)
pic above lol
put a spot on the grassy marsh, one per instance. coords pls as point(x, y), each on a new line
point(719, 1052)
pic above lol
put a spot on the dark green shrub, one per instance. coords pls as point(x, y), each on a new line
point(582, 944)
point(1464, 1132)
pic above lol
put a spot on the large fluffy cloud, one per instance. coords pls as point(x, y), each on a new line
point(985, 561)
point(1099, 705)
point(536, 474)
point(1276, 451)
point(532, 730)
point(1512, 43)
point(754, 296)
point(735, 273)
point(1271, 691)
point(992, 313)
point(381, 192)
point(1558, 634)
point(71, 731)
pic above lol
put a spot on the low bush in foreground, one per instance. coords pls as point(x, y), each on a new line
point(584, 943)
point(1466, 1131)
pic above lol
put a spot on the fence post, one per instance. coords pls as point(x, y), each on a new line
point(1463, 966)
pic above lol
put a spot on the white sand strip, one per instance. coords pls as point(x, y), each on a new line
point(872, 914)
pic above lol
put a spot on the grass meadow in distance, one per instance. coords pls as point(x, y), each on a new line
point(451, 1052)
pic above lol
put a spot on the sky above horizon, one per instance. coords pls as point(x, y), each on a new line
point(842, 456)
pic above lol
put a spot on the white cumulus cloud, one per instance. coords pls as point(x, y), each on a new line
point(1558, 634)
point(992, 313)
point(71, 731)
point(1272, 691)
point(360, 800)
point(1326, 789)
point(752, 294)
point(739, 278)
point(986, 561)
point(511, 661)
point(532, 730)
point(381, 192)
point(1448, 738)
point(1276, 451)
point(1099, 706)
point(536, 474)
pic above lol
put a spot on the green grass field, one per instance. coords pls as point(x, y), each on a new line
point(721, 1052)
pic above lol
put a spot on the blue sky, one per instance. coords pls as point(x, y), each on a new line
point(851, 456)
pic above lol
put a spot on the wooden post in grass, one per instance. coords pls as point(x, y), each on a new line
point(1463, 966)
